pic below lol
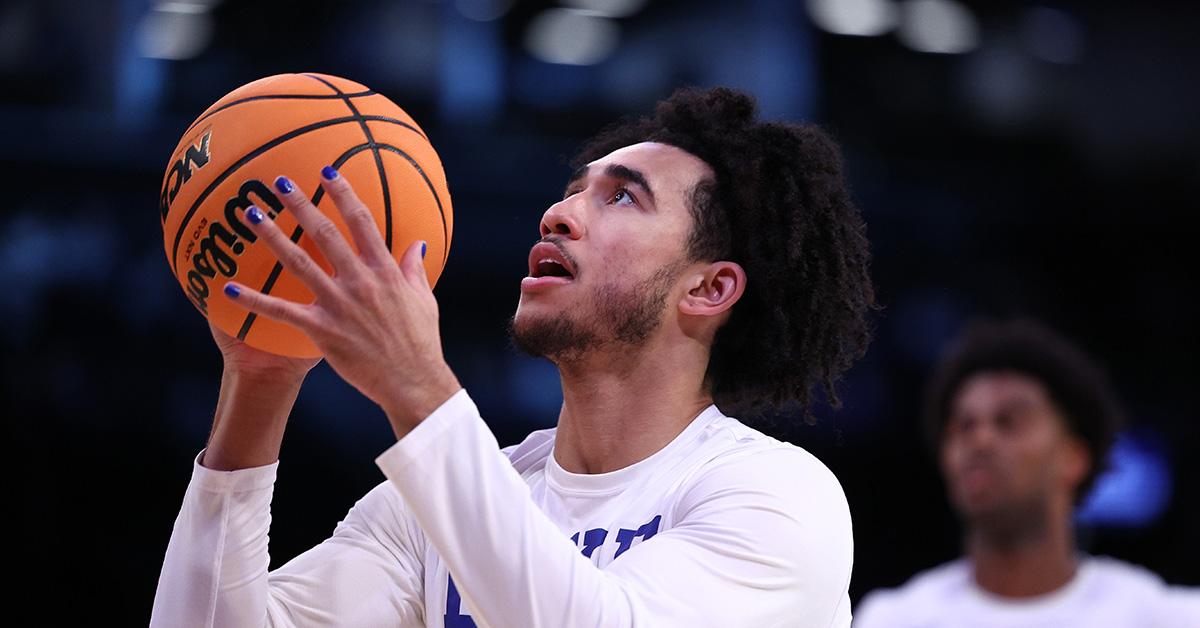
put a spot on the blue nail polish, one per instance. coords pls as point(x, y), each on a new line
point(329, 173)
point(232, 290)
point(254, 214)
point(283, 184)
point(422, 250)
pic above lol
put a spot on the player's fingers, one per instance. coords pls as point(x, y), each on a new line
point(301, 316)
point(358, 218)
point(320, 228)
point(294, 258)
point(412, 264)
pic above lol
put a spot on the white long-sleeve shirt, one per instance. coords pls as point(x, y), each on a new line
point(723, 527)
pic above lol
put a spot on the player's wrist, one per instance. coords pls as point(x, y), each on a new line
point(407, 408)
point(264, 378)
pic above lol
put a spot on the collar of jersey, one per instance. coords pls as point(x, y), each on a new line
point(1041, 603)
point(614, 481)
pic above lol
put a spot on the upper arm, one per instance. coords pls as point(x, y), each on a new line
point(764, 540)
point(369, 572)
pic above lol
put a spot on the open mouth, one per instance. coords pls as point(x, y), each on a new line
point(549, 268)
point(546, 260)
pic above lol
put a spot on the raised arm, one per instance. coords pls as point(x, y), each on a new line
point(215, 571)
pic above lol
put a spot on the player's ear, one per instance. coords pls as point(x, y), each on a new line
point(1077, 462)
point(714, 289)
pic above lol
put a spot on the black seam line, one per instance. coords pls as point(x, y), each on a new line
point(203, 117)
point(250, 156)
point(383, 184)
point(383, 179)
point(273, 276)
point(432, 190)
point(275, 270)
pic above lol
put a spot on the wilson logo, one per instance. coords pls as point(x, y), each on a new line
point(215, 245)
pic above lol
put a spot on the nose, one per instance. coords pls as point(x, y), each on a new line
point(982, 436)
point(560, 220)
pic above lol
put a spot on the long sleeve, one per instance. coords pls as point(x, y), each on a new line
point(751, 547)
point(215, 571)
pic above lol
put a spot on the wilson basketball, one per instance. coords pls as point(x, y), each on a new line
point(293, 125)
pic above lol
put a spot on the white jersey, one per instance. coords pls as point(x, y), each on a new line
point(1104, 593)
point(723, 527)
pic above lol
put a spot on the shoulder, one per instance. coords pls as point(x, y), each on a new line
point(736, 456)
point(1141, 591)
point(1108, 571)
point(382, 514)
point(531, 452)
point(763, 490)
point(1113, 575)
point(923, 593)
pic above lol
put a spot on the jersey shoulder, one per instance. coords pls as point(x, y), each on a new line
point(1110, 571)
point(731, 448)
point(925, 592)
point(731, 458)
point(532, 452)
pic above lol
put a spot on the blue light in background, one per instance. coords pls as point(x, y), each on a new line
point(534, 388)
point(1136, 488)
point(472, 69)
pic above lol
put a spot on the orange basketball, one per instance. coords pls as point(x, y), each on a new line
point(293, 125)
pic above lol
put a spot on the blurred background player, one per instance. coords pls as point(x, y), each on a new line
point(1022, 421)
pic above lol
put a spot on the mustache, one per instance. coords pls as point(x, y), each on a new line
point(557, 241)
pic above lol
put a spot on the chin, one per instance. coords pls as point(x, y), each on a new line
point(530, 314)
point(549, 335)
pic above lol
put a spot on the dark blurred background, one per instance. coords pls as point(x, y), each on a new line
point(1018, 158)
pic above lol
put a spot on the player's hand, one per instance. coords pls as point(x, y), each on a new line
point(375, 320)
point(242, 359)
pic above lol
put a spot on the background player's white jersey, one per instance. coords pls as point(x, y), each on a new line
point(1105, 593)
point(722, 527)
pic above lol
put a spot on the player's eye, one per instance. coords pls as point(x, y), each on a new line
point(622, 197)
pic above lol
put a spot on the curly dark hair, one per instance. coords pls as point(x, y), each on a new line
point(778, 206)
point(1078, 388)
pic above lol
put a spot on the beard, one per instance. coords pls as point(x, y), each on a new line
point(619, 317)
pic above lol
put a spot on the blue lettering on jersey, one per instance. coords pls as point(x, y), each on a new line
point(454, 617)
point(592, 539)
point(625, 537)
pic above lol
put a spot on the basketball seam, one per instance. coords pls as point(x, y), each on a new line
point(212, 186)
point(383, 185)
point(273, 276)
point(227, 105)
point(383, 179)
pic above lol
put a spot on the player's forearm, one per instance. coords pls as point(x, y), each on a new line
point(251, 416)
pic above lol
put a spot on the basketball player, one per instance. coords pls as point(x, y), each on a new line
point(1022, 421)
point(699, 263)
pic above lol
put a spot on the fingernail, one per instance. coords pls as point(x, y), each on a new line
point(283, 184)
point(232, 290)
point(422, 250)
point(329, 173)
point(254, 214)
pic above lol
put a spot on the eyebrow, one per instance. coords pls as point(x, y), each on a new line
point(617, 171)
point(1018, 404)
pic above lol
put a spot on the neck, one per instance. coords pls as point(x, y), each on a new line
point(1038, 562)
point(622, 405)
